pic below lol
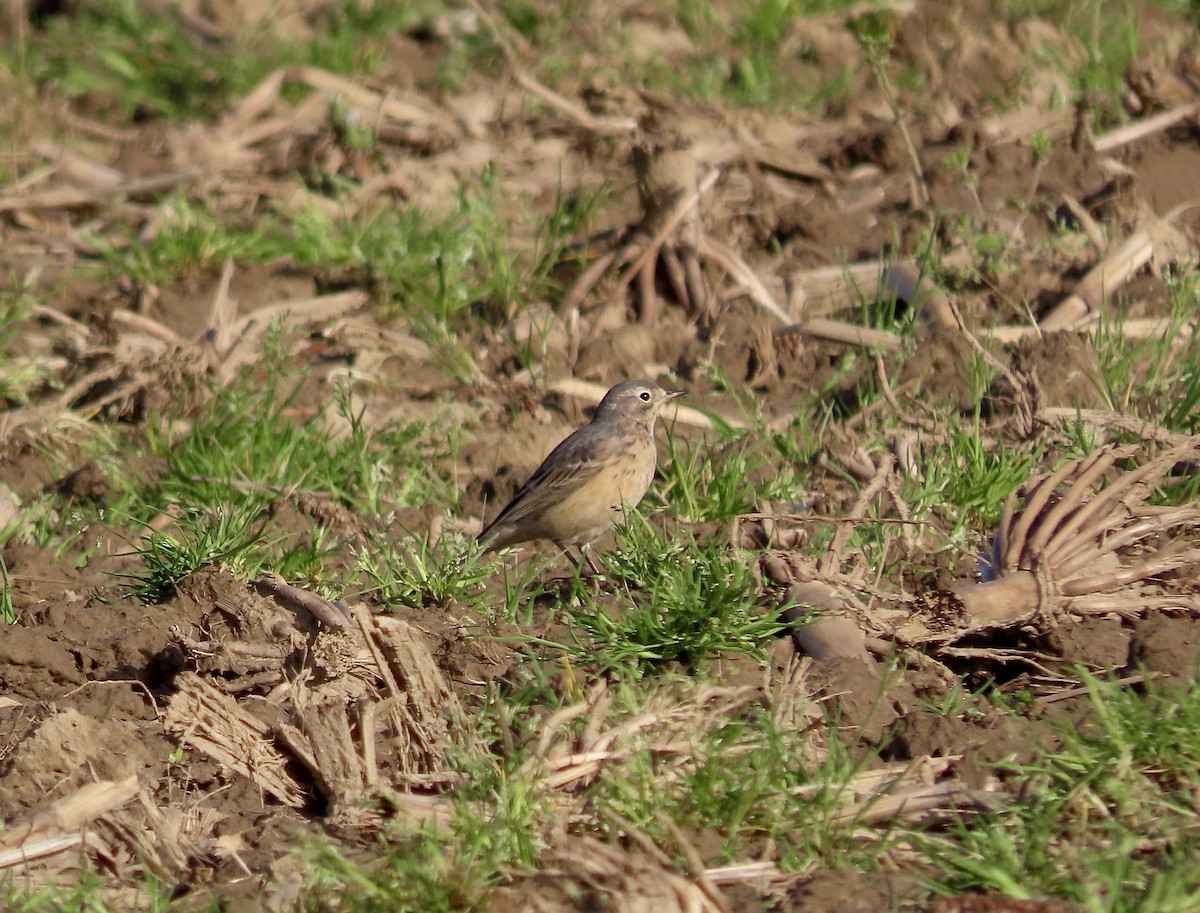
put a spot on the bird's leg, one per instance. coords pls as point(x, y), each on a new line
point(592, 569)
point(567, 552)
point(591, 562)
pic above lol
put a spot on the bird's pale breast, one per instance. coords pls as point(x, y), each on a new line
point(581, 515)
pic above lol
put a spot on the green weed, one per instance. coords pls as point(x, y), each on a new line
point(224, 535)
point(681, 601)
point(412, 571)
point(1120, 780)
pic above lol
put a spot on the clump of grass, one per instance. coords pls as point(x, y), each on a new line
point(20, 373)
point(710, 483)
point(412, 571)
point(145, 61)
point(965, 482)
point(149, 62)
point(8, 614)
point(746, 58)
point(225, 535)
point(1106, 820)
point(436, 269)
point(682, 601)
point(191, 240)
point(246, 440)
point(1156, 378)
point(1109, 35)
point(245, 452)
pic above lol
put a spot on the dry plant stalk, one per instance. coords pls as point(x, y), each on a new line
point(670, 725)
point(583, 873)
point(422, 710)
point(213, 723)
point(670, 236)
point(70, 813)
point(1066, 545)
point(1101, 282)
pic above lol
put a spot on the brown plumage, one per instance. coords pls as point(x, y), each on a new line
point(599, 470)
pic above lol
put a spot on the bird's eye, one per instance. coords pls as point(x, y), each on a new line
point(644, 396)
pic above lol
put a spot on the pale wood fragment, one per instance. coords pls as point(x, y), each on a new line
point(213, 723)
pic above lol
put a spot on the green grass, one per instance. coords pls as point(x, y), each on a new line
point(1108, 33)
point(247, 442)
point(152, 64)
point(411, 571)
point(678, 601)
point(8, 614)
point(1156, 377)
point(964, 482)
point(438, 269)
point(1121, 780)
point(717, 481)
point(744, 774)
point(21, 371)
point(246, 453)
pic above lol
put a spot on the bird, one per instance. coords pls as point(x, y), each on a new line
point(597, 472)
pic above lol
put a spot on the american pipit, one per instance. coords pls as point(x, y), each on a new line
point(585, 483)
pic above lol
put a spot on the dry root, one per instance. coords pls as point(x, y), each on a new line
point(584, 874)
point(669, 240)
point(1061, 547)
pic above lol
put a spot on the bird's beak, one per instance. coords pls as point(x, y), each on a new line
point(675, 394)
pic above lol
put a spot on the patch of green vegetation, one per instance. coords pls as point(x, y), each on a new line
point(247, 443)
point(144, 59)
point(151, 62)
point(965, 482)
point(1157, 376)
point(751, 61)
point(409, 872)
point(353, 38)
point(679, 600)
point(436, 269)
point(716, 481)
point(245, 453)
point(21, 371)
point(87, 896)
point(440, 270)
point(1108, 34)
point(746, 775)
point(8, 614)
point(1107, 820)
point(190, 240)
point(224, 535)
point(1186, 10)
point(412, 571)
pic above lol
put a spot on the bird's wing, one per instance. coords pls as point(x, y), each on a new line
point(569, 465)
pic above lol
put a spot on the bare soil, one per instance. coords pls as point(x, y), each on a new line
point(87, 675)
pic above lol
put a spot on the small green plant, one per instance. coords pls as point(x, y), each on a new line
point(143, 59)
point(1156, 377)
point(191, 240)
point(224, 535)
point(247, 441)
point(966, 482)
point(8, 614)
point(1041, 146)
point(412, 571)
point(21, 370)
point(1108, 34)
point(1120, 779)
point(682, 601)
point(706, 483)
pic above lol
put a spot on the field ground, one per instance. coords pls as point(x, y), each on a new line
point(297, 294)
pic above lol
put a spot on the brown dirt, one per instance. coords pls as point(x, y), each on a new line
point(86, 673)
